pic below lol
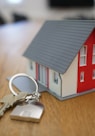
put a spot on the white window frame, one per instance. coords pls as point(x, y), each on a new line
point(82, 76)
point(93, 54)
point(93, 74)
point(31, 65)
point(55, 77)
point(83, 56)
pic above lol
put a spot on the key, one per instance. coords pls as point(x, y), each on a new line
point(29, 112)
point(9, 100)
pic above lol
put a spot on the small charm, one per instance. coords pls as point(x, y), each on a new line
point(28, 112)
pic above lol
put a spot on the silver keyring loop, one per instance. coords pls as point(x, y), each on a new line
point(18, 75)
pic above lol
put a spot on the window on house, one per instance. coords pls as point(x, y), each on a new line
point(56, 77)
point(83, 56)
point(31, 65)
point(93, 74)
point(82, 77)
point(93, 56)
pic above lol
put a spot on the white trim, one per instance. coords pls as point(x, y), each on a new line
point(55, 76)
point(93, 54)
point(83, 55)
point(31, 65)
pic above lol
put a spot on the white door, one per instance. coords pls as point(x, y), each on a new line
point(42, 75)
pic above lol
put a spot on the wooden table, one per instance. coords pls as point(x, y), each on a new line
point(73, 117)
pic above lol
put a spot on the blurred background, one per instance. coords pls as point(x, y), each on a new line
point(18, 10)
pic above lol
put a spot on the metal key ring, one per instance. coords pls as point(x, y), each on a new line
point(25, 75)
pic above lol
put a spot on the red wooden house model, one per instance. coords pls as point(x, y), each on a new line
point(62, 57)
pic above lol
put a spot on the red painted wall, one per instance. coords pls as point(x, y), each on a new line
point(89, 82)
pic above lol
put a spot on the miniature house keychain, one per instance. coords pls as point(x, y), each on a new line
point(32, 109)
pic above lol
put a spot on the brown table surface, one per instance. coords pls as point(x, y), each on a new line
point(73, 117)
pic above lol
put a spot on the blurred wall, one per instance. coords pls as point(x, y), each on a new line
point(39, 9)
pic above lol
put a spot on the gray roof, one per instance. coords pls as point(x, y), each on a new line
point(58, 42)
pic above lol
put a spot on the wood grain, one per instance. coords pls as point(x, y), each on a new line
point(73, 117)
